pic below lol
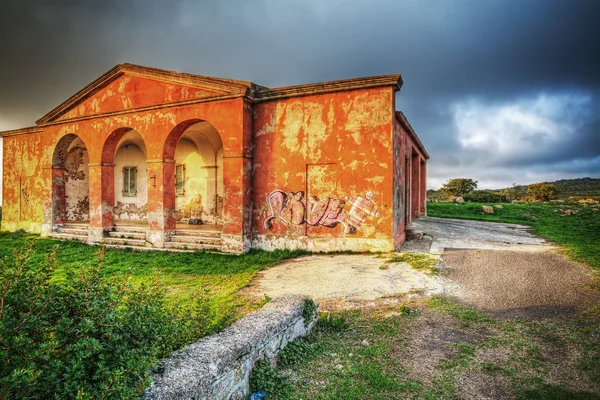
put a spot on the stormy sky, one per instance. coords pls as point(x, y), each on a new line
point(499, 91)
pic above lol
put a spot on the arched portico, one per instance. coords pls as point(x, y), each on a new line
point(193, 190)
point(125, 188)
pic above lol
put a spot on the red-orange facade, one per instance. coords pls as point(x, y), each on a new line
point(327, 166)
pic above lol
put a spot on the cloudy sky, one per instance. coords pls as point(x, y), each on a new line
point(499, 91)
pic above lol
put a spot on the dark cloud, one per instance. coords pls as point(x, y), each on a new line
point(500, 53)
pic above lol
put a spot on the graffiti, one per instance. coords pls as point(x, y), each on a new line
point(291, 208)
point(131, 210)
point(362, 208)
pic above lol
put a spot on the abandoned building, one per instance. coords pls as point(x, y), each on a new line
point(152, 158)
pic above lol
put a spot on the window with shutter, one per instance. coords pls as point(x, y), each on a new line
point(130, 181)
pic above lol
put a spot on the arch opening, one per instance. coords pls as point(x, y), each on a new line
point(126, 150)
point(197, 150)
point(70, 181)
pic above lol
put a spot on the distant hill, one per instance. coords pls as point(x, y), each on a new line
point(581, 187)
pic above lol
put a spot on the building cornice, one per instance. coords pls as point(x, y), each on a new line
point(21, 131)
point(411, 132)
point(394, 81)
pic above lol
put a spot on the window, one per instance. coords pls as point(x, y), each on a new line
point(180, 180)
point(130, 181)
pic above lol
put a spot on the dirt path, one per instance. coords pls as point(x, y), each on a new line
point(521, 284)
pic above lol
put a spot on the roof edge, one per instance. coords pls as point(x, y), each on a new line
point(218, 84)
point(402, 119)
point(21, 131)
point(393, 80)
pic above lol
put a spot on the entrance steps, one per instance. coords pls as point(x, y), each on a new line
point(71, 231)
point(183, 239)
point(126, 236)
point(134, 237)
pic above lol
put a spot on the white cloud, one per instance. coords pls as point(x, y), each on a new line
point(528, 125)
point(531, 139)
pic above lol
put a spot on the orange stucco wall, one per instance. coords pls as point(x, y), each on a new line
point(334, 146)
point(129, 92)
point(322, 171)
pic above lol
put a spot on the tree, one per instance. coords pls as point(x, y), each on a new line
point(513, 193)
point(542, 191)
point(459, 186)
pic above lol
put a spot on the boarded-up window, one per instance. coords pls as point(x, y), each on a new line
point(180, 179)
point(130, 181)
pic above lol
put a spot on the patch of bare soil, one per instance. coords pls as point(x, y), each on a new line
point(340, 282)
point(517, 284)
point(433, 338)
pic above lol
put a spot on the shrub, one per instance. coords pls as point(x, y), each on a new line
point(486, 196)
point(542, 191)
point(89, 337)
point(265, 377)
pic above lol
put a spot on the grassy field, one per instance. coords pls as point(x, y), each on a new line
point(438, 350)
point(578, 233)
point(182, 274)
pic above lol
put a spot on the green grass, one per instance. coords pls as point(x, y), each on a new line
point(579, 234)
point(332, 362)
point(419, 261)
point(182, 274)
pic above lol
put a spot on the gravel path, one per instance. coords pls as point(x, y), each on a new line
point(518, 284)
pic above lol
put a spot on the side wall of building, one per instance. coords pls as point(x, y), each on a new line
point(322, 172)
point(410, 182)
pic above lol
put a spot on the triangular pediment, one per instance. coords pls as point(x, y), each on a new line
point(129, 86)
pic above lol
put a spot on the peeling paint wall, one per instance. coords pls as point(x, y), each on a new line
point(323, 167)
point(76, 182)
point(129, 92)
point(23, 183)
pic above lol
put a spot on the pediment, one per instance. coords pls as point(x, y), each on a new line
point(129, 86)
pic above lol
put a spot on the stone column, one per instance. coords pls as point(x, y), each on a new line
point(102, 198)
point(161, 201)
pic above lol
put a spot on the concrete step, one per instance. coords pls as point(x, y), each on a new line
point(197, 239)
point(134, 229)
point(192, 246)
point(75, 225)
point(124, 242)
point(191, 232)
point(68, 236)
point(127, 235)
point(136, 248)
point(72, 231)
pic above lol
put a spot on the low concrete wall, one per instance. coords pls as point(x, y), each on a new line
point(219, 366)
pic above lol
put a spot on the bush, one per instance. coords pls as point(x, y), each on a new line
point(486, 196)
point(542, 191)
point(89, 337)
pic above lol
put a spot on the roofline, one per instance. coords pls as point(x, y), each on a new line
point(21, 131)
point(394, 80)
point(225, 88)
point(218, 84)
point(402, 119)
